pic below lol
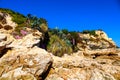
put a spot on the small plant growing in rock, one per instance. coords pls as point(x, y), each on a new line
point(23, 32)
point(18, 37)
point(20, 34)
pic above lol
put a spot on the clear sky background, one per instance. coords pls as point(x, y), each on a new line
point(74, 15)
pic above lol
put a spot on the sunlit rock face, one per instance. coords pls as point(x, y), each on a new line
point(99, 40)
point(28, 41)
point(21, 58)
point(5, 39)
point(24, 63)
point(79, 66)
point(6, 22)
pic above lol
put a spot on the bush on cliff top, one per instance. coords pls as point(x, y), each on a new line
point(16, 17)
point(91, 32)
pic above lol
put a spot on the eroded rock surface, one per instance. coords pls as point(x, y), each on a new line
point(6, 22)
point(24, 64)
point(21, 59)
point(99, 40)
point(81, 67)
point(28, 41)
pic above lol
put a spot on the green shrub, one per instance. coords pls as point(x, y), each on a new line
point(65, 31)
point(37, 23)
point(42, 20)
point(58, 46)
point(16, 17)
point(19, 27)
point(91, 32)
point(43, 27)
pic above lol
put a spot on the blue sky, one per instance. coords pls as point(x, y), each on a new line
point(74, 15)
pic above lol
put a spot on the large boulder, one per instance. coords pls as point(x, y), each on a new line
point(27, 41)
point(21, 58)
point(5, 39)
point(98, 40)
point(80, 67)
point(24, 64)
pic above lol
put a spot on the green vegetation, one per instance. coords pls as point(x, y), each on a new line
point(26, 21)
point(117, 47)
point(58, 46)
point(62, 41)
point(65, 31)
point(56, 41)
point(91, 32)
point(37, 23)
point(16, 17)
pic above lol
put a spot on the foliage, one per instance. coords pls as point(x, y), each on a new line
point(58, 46)
point(100, 30)
point(65, 40)
point(16, 17)
point(54, 31)
point(91, 32)
point(37, 23)
point(61, 41)
point(19, 27)
point(42, 20)
point(20, 34)
point(117, 47)
point(29, 20)
point(43, 27)
point(65, 31)
point(75, 36)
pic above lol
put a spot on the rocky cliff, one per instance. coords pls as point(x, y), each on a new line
point(98, 40)
point(6, 21)
point(22, 59)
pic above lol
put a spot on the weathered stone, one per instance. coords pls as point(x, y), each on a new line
point(22, 60)
point(6, 21)
point(25, 64)
point(2, 37)
point(1, 26)
point(5, 39)
point(98, 41)
point(28, 41)
point(80, 67)
point(8, 27)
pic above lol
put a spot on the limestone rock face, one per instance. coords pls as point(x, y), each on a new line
point(28, 41)
point(24, 64)
point(21, 59)
point(5, 39)
point(2, 41)
point(99, 40)
point(6, 21)
point(81, 67)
